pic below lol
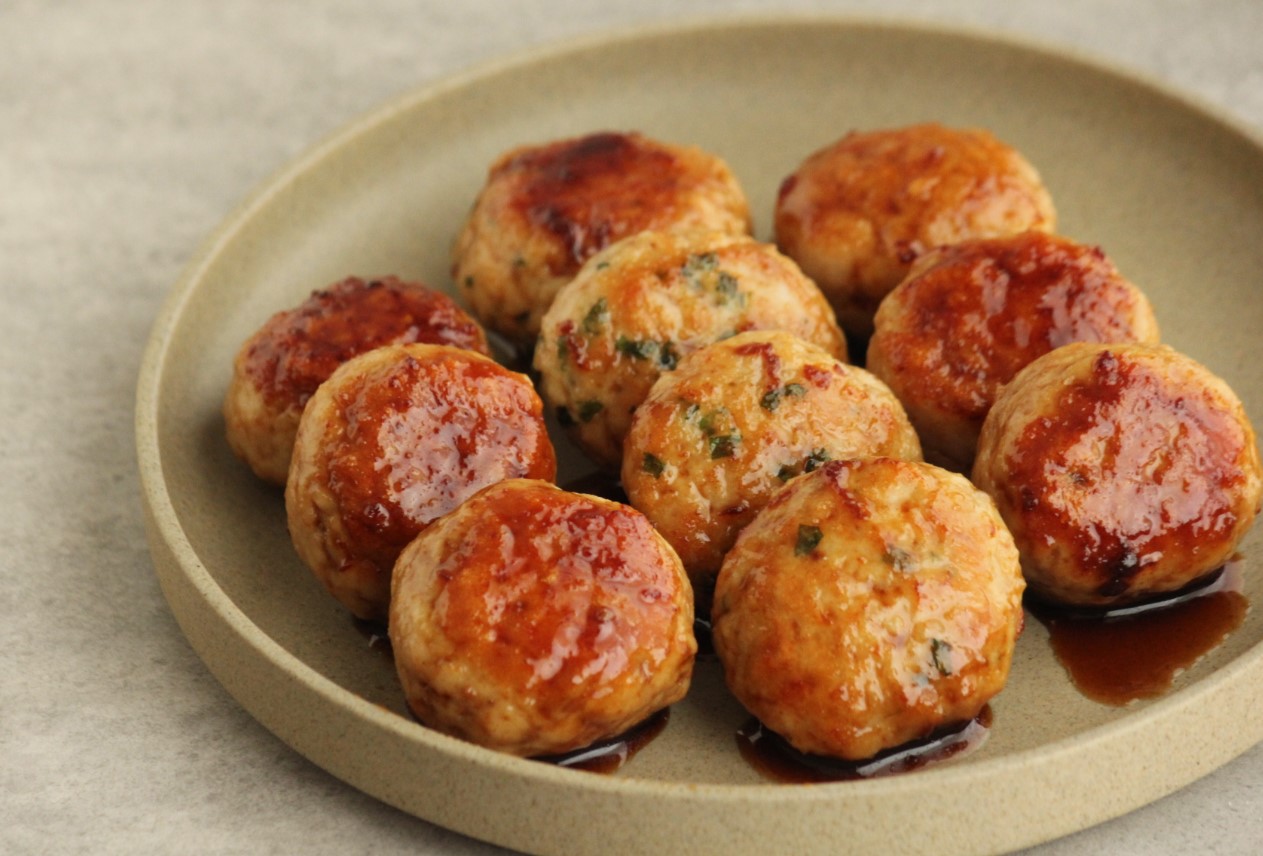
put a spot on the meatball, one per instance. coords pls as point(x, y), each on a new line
point(736, 420)
point(545, 209)
point(635, 309)
point(395, 438)
point(857, 213)
point(871, 603)
point(279, 367)
point(1124, 471)
point(536, 621)
point(971, 315)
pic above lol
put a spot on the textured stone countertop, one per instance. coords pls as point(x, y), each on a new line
point(128, 130)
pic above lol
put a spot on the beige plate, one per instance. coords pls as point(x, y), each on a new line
point(1174, 194)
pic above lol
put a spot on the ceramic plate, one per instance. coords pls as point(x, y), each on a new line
point(1173, 193)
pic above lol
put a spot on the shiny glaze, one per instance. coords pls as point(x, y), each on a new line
point(297, 350)
point(561, 597)
point(659, 291)
point(590, 191)
point(899, 615)
point(921, 184)
point(1117, 656)
point(973, 314)
point(735, 421)
point(604, 756)
point(772, 756)
point(639, 308)
point(1131, 470)
point(887, 196)
point(424, 432)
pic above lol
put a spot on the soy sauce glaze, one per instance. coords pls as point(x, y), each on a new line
point(607, 756)
point(1123, 655)
point(771, 754)
point(604, 756)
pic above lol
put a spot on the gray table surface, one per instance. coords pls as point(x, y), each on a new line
point(128, 129)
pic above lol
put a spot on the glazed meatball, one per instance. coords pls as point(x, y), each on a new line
point(736, 420)
point(635, 309)
point(395, 438)
point(1125, 472)
point(971, 315)
point(545, 209)
point(871, 603)
point(279, 367)
point(857, 213)
point(536, 621)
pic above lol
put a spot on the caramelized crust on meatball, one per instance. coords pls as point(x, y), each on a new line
point(279, 367)
point(637, 308)
point(857, 213)
point(870, 603)
point(545, 209)
point(971, 315)
point(737, 419)
point(1124, 471)
point(537, 621)
point(395, 438)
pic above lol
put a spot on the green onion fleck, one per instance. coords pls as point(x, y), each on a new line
point(597, 316)
point(772, 398)
point(815, 459)
point(700, 262)
point(637, 349)
point(899, 558)
point(723, 445)
point(808, 538)
point(668, 356)
point(652, 464)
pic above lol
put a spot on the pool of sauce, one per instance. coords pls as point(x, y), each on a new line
point(1122, 655)
point(608, 756)
point(771, 754)
point(604, 756)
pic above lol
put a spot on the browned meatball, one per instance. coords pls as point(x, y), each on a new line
point(395, 438)
point(638, 307)
point(869, 604)
point(857, 213)
point(1123, 471)
point(545, 209)
point(537, 621)
point(737, 419)
point(279, 367)
point(971, 315)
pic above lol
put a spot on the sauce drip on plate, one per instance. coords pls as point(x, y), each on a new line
point(607, 756)
point(771, 754)
point(604, 756)
point(1122, 655)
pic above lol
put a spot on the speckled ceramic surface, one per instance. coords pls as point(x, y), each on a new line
point(1174, 195)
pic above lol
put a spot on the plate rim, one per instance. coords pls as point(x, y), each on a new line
point(167, 536)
